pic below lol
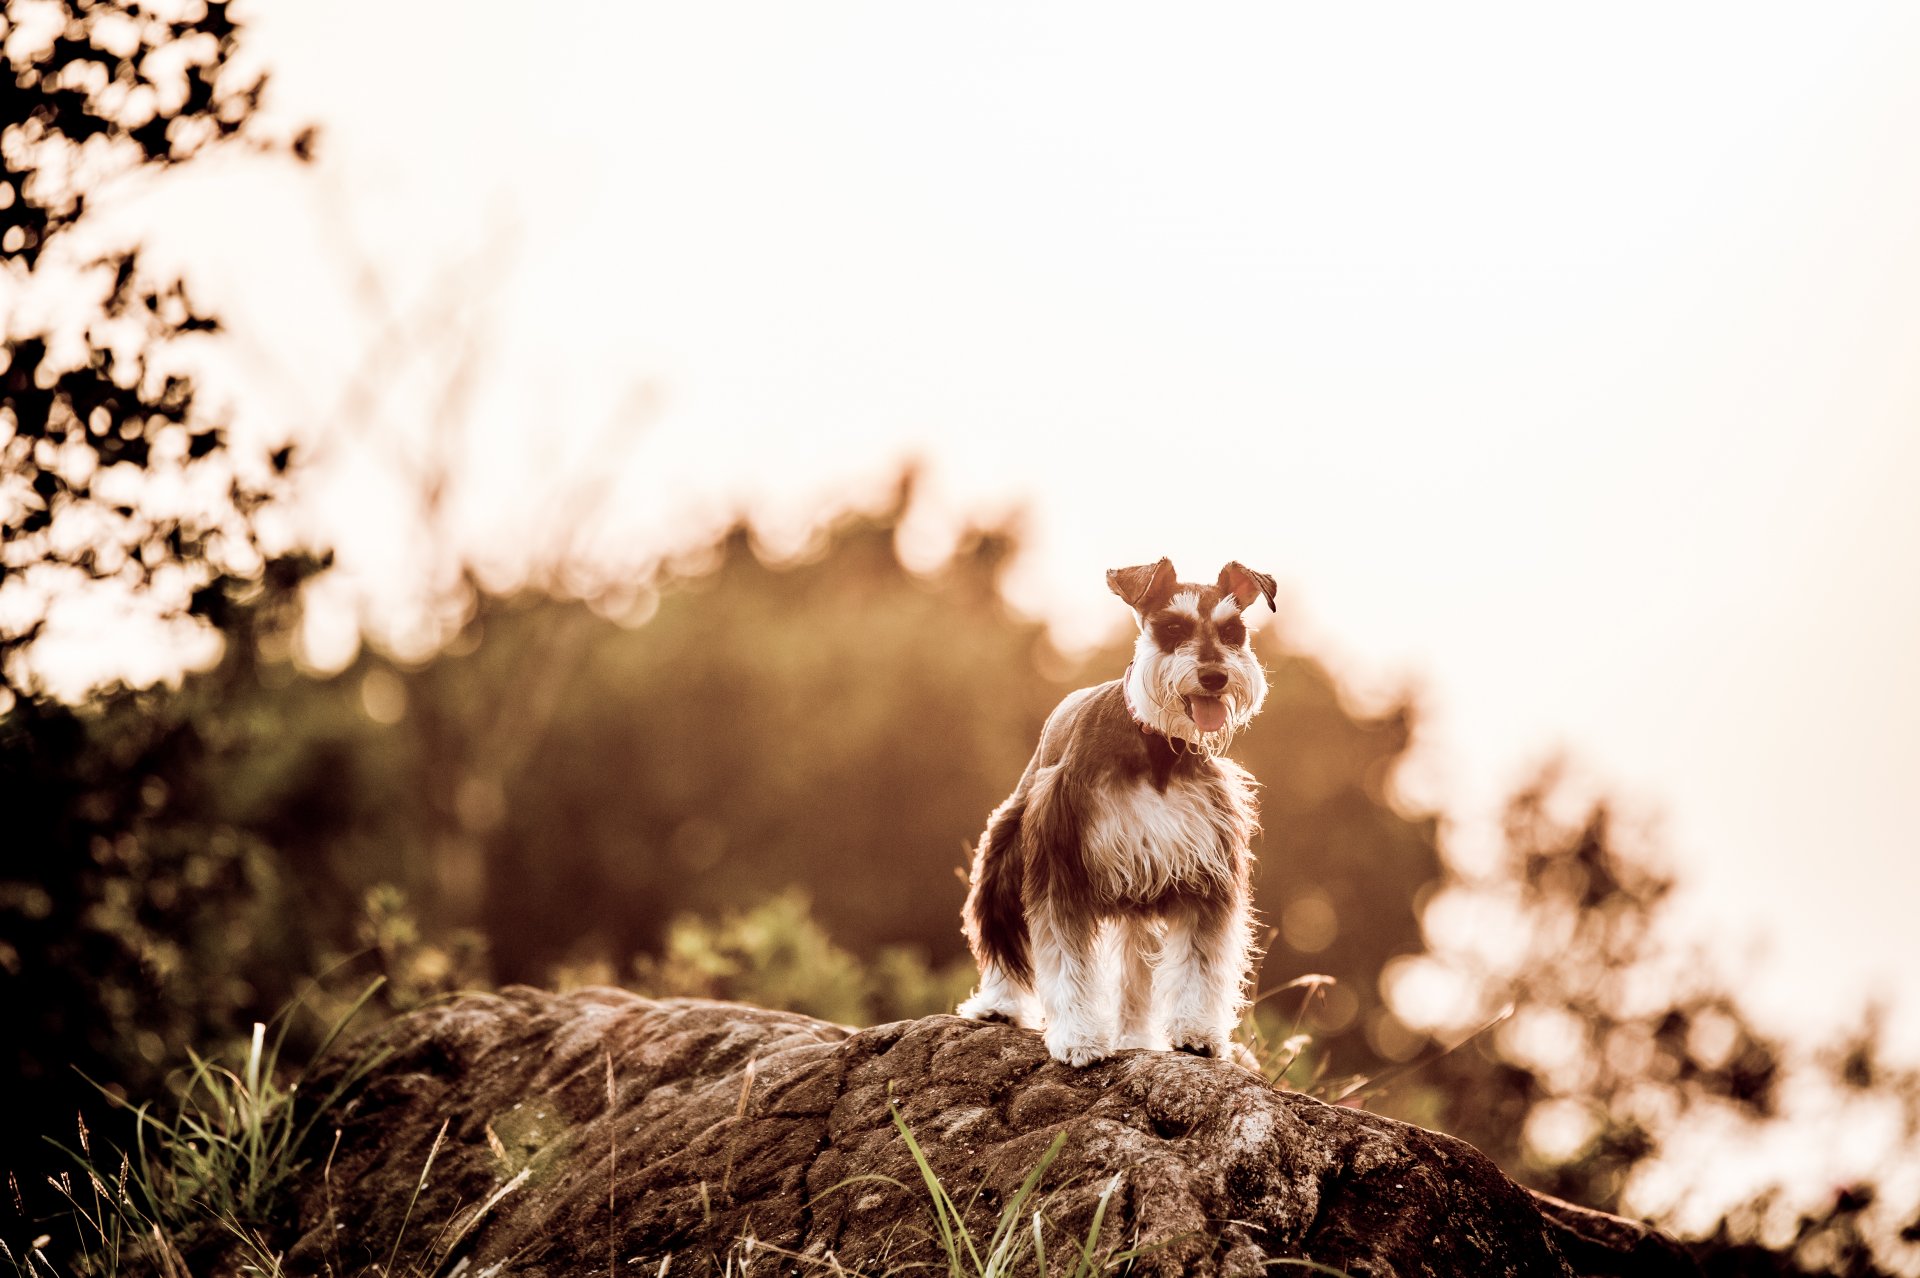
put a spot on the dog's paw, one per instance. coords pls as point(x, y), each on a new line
point(1203, 1043)
point(982, 1007)
point(1200, 1035)
point(1075, 1051)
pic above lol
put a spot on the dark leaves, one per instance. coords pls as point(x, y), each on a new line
point(167, 55)
point(134, 412)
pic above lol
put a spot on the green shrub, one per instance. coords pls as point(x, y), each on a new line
point(775, 955)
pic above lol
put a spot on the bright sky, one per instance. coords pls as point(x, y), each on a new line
point(1561, 363)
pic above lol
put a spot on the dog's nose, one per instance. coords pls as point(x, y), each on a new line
point(1213, 680)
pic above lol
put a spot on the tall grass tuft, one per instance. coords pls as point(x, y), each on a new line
point(1017, 1244)
point(215, 1164)
point(1287, 1061)
point(235, 1137)
point(1008, 1245)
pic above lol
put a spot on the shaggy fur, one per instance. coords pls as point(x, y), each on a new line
point(1110, 901)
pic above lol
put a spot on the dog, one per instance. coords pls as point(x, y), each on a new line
point(1110, 900)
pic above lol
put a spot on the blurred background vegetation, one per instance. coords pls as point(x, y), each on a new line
point(739, 774)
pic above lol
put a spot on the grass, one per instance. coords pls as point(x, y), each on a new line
point(209, 1179)
point(215, 1169)
point(1016, 1244)
point(999, 1255)
point(1290, 1063)
point(1279, 1057)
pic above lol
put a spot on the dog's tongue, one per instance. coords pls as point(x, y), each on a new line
point(1209, 714)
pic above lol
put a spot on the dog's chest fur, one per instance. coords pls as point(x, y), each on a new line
point(1141, 842)
point(1130, 819)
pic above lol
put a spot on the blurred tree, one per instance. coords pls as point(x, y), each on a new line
point(1343, 868)
point(111, 479)
point(576, 781)
point(134, 918)
point(571, 777)
point(1608, 1036)
point(774, 954)
point(1617, 1040)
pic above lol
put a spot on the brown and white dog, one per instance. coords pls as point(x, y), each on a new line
point(1110, 899)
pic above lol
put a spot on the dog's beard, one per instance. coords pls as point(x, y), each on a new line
point(1164, 690)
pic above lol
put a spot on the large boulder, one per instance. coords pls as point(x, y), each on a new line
point(600, 1132)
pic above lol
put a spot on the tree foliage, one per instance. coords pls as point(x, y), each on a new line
point(112, 477)
point(569, 778)
point(1343, 865)
point(137, 917)
point(1620, 1039)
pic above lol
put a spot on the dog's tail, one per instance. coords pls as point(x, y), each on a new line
point(996, 924)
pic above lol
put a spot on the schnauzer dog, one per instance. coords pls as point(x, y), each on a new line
point(1110, 898)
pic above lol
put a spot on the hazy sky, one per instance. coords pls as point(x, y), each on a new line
point(1561, 364)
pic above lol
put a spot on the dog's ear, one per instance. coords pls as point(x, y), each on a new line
point(1145, 586)
point(1245, 585)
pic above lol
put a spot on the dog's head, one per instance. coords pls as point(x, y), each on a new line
point(1194, 675)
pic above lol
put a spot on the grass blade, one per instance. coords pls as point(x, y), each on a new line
point(418, 1185)
point(947, 1218)
point(1086, 1265)
point(1000, 1254)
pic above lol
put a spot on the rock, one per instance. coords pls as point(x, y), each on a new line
point(600, 1132)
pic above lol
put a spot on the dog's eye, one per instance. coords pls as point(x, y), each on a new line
point(1172, 631)
point(1233, 633)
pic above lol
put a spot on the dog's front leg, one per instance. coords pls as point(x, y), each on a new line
point(1136, 942)
point(1074, 991)
point(1204, 960)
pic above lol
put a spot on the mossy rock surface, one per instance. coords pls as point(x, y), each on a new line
point(601, 1132)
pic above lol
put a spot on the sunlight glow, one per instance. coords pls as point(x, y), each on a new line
point(1560, 364)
